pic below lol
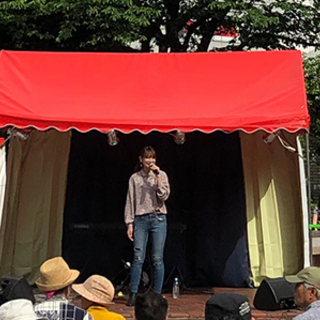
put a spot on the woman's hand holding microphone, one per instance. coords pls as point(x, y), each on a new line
point(154, 168)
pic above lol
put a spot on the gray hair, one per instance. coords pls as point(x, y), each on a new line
point(310, 286)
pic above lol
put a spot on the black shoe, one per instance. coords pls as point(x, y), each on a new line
point(132, 299)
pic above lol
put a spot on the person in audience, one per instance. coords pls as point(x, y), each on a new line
point(228, 306)
point(307, 292)
point(55, 280)
point(13, 287)
point(150, 306)
point(97, 293)
point(18, 309)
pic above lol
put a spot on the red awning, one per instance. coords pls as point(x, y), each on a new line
point(188, 91)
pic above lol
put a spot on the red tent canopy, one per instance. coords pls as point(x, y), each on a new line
point(187, 91)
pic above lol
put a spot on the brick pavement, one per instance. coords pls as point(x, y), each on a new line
point(190, 305)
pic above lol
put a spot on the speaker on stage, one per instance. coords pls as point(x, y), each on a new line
point(12, 287)
point(275, 294)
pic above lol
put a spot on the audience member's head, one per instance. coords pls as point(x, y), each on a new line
point(307, 289)
point(12, 287)
point(96, 290)
point(150, 306)
point(56, 277)
point(19, 309)
point(228, 306)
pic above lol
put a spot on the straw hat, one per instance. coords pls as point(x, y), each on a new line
point(96, 289)
point(55, 274)
point(19, 309)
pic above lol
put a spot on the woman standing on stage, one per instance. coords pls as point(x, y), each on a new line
point(145, 216)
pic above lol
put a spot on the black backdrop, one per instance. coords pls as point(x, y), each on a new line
point(206, 241)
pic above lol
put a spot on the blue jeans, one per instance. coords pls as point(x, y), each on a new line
point(155, 226)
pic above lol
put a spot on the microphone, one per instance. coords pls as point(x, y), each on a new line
point(155, 171)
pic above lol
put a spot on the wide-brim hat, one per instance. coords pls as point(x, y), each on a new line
point(96, 289)
point(55, 274)
point(19, 309)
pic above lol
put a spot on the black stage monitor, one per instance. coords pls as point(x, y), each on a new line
point(275, 294)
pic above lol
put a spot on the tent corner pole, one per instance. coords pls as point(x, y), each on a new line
point(309, 193)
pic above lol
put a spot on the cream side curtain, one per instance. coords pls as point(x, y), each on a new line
point(274, 213)
point(31, 229)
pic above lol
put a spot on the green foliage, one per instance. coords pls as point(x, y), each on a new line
point(72, 24)
point(111, 25)
point(278, 24)
point(312, 74)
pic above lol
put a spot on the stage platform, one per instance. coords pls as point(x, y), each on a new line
point(191, 302)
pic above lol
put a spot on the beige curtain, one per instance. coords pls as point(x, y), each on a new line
point(31, 229)
point(274, 213)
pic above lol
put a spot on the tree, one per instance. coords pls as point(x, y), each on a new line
point(312, 75)
point(73, 25)
point(279, 24)
point(175, 25)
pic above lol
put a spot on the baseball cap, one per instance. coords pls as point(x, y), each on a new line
point(310, 275)
point(226, 304)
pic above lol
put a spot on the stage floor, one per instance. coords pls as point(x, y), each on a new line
point(191, 302)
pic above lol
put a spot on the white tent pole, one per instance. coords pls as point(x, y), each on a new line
point(307, 245)
point(2, 178)
point(309, 192)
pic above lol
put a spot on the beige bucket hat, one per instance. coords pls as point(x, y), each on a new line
point(55, 274)
point(97, 289)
